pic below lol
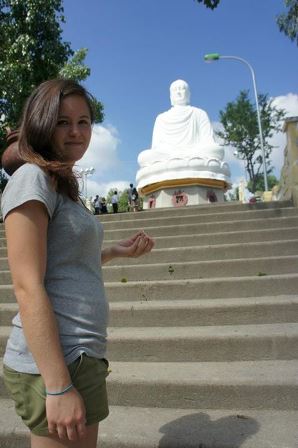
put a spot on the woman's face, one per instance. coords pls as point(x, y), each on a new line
point(73, 130)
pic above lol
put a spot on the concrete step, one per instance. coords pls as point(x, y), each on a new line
point(202, 289)
point(3, 252)
point(7, 294)
point(214, 252)
point(206, 253)
point(249, 310)
point(206, 343)
point(141, 427)
point(215, 288)
point(212, 385)
point(196, 269)
point(210, 228)
point(185, 228)
point(195, 210)
point(4, 263)
point(247, 236)
point(7, 312)
point(181, 313)
point(211, 208)
point(203, 218)
point(202, 428)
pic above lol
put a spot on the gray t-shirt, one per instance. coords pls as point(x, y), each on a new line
point(73, 278)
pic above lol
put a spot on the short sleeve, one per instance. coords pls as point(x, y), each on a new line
point(28, 183)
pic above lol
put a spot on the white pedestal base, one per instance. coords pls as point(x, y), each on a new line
point(182, 196)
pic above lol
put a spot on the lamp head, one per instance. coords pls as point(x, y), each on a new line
point(210, 57)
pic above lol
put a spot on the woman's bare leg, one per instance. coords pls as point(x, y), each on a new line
point(89, 441)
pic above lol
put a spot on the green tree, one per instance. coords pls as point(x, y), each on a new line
point(212, 4)
point(123, 201)
point(32, 51)
point(241, 131)
point(260, 183)
point(77, 70)
point(288, 22)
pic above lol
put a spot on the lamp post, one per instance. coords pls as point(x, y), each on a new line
point(86, 172)
point(210, 57)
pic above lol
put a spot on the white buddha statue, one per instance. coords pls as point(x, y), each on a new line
point(183, 144)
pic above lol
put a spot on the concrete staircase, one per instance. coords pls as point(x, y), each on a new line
point(203, 337)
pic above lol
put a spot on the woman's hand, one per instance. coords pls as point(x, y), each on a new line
point(66, 415)
point(136, 246)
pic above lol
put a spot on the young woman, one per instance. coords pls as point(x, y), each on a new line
point(54, 364)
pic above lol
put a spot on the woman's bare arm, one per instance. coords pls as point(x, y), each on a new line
point(26, 230)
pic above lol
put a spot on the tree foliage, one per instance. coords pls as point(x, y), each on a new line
point(32, 51)
point(240, 124)
point(212, 4)
point(123, 201)
point(77, 70)
point(288, 22)
point(260, 183)
point(123, 204)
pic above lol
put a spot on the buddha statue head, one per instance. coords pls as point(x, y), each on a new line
point(179, 93)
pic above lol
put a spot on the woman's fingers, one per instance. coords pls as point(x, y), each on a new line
point(66, 416)
point(81, 429)
point(138, 245)
point(52, 429)
point(72, 433)
point(62, 432)
point(144, 245)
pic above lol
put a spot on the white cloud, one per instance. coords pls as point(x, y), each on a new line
point(289, 102)
point(102, 154)
point(102, 151)
point(102, 188)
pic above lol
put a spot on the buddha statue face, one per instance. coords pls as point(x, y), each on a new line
point(179, 93)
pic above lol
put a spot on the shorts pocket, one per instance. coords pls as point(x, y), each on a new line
point(28, 393)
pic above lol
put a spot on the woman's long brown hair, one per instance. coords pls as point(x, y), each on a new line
point(38, 124)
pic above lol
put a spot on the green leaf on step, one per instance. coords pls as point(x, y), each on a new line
point(171, 269)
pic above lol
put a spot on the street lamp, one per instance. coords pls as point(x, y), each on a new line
point(210, 57)
point(86, 172)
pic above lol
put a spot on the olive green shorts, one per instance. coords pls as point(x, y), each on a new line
point(28, 391)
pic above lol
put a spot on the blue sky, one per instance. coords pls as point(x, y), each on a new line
point(136, 48)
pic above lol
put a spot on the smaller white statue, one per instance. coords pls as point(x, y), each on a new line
point(183, 144)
